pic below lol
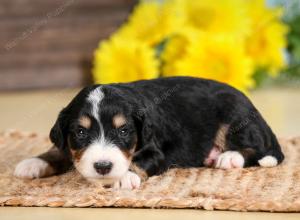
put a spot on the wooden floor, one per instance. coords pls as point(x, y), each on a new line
point(9, 213)
point(36, 111)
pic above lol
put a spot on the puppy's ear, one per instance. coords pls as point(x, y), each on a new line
point(148, 155)
point(144, 127)
point(58, 132)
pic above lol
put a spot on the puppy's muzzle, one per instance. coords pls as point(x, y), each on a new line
point(103, 167)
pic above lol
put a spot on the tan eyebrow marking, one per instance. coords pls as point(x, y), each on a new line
point(119, 120)
point(85, 122)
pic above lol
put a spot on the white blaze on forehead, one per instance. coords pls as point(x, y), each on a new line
point(95, 98)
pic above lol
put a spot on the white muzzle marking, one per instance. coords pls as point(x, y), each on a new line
point(103, 151)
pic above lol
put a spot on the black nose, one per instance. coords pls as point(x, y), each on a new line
point(103, 167)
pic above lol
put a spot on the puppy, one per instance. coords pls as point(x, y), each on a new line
point(120, 134)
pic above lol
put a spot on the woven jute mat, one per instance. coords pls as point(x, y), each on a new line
point(252, 189)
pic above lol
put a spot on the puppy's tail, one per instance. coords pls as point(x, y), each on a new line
point(273, 156)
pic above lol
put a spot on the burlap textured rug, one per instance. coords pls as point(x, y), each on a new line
point(252, 189)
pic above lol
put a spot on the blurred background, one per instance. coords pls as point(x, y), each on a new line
point(50, 44)
point(51, 49)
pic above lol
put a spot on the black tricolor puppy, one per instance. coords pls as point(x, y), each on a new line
point(122, 133)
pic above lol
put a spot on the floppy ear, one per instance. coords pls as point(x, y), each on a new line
point(148, 155)
point(144, 127)
point(58, 132)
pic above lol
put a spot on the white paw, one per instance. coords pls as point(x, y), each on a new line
point(230, 159)
point(129, 181)
point(33, 168)
point(268, 161)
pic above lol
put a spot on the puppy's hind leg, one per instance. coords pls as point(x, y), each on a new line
point(252, 145)
point(47, 164)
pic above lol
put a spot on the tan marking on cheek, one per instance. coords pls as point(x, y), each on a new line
point(77, 154)
point(133, 167)
point(139, 171)
point(220, 138)
point(85, 122)
point(129, 153)
point(119, 121)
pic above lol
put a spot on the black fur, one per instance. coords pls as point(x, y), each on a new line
point(174, 120)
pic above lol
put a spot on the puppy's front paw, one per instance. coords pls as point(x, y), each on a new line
point(33, 168)
point(230, 159)
point(129, 181)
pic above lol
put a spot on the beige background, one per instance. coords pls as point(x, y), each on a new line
point(37, 111)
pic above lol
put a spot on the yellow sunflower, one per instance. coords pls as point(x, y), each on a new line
point(221, 16)
point(152, 21)
point(176, 48)
point(217, 57)
point(124, 60)
point(267, 41)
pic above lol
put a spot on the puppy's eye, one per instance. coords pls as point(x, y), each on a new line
point(81, 133)
point(123, 132)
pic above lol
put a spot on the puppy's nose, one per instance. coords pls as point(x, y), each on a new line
point(103, 167)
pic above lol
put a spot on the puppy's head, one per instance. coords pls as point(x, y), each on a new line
point(99, 132)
